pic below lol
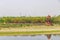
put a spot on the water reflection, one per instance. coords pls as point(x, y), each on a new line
point(38, 37)
point(48, 36)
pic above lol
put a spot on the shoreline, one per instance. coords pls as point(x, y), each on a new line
point(34, 30)
point(29, 33)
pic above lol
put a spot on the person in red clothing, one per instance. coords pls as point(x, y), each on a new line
point(48, 20)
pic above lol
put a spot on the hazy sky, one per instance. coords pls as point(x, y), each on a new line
point(29, 7)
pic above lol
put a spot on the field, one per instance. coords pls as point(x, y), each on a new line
point(30, 30)
point(29, 25)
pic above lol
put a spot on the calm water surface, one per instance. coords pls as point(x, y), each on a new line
point(38, 37)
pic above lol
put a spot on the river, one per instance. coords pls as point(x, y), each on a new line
point(37, 37)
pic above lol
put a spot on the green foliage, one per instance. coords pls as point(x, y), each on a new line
point(55, 19)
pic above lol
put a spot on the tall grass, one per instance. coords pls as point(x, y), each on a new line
point(28, 19)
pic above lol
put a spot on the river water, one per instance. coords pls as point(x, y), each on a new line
point(38, 37)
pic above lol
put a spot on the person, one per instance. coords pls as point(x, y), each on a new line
point(48, 20)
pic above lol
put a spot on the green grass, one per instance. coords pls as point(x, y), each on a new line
point(13, 25)
point(29, 33)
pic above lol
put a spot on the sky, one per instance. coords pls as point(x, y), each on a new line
point(29, 7)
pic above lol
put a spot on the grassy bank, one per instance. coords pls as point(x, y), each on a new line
point(29, 33)
point(30, 30)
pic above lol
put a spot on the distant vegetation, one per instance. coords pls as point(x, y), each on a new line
point(26, 21)
point(54, 19)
